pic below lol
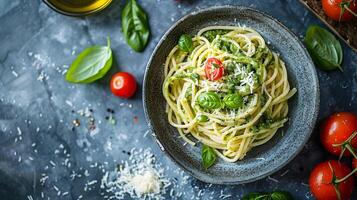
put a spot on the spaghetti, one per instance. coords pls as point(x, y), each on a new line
point(229, 92)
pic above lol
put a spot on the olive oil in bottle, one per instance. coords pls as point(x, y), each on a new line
point(77, 7)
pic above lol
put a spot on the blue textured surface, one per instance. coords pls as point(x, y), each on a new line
point(36, 43)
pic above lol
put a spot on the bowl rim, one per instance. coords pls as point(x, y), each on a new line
point(314, 77)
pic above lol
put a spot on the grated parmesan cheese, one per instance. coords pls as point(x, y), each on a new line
point(139, 177)
point(145, 183)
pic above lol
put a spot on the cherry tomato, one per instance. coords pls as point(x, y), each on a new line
point(354, 165)
point(337, 129)
point(214, 69)
point(333, 9)
point(321, 181)
point(123, 84)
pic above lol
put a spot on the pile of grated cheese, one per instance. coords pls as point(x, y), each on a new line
point(139, 177)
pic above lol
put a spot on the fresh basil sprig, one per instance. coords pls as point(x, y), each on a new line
point(135, 26)
point(324, 48)
point(209, 100)
point(185, 43)
point(233, 101)
point(277, 195)
point(208, 156)
point(91, 64)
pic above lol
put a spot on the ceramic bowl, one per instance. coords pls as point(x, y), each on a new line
point(288, 141)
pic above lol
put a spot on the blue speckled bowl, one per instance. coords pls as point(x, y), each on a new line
point(260, 161)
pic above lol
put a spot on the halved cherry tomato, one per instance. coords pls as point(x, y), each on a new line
point(214, 69)
point(321, 181)
point(333, 9)
point(337, 129)
point(123, 85)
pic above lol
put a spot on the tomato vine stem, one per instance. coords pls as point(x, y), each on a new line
point(345, 6)
point(347, 145)
point(346, 177)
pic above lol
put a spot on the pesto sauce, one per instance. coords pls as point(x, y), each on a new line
point(211, 34)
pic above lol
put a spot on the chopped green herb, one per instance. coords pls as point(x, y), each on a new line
point(211, 34)
point(226, 45)
point(202, 118)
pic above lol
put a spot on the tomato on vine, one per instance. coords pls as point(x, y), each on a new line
point(340, 10)
point(354, 164)
point(331, 180)
point(338, 134)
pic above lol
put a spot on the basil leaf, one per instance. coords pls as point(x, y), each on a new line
point(185, 43)
point(91, 64)
point(324, 48)
point(202, 118)
point(209, 100)
point(256, 196)
point(208, 156)
point(135, 26)
point(278, 195)
point(233, 101)
point(281, 196)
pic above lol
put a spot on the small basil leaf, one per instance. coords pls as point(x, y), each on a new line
point(135, 26)
point(208, 156)
point(185, 43)
point(91, 64)
point(233, 101)
point(209, 100)
point(281, 196)
point(256, 196)
point(324, 48)
point(278, 195)
point(202, 118)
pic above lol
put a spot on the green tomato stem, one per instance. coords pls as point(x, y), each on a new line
point(351, 149)
point(346, 177)
point(347, 145)
point(349, 10)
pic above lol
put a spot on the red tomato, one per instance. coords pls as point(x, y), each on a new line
point(214, 69)
point(354, 165)
point(321, 181)
point(123, 84)
point(337, 129)
point(333, 9)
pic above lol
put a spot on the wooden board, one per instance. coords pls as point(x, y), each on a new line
point(347, 31)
